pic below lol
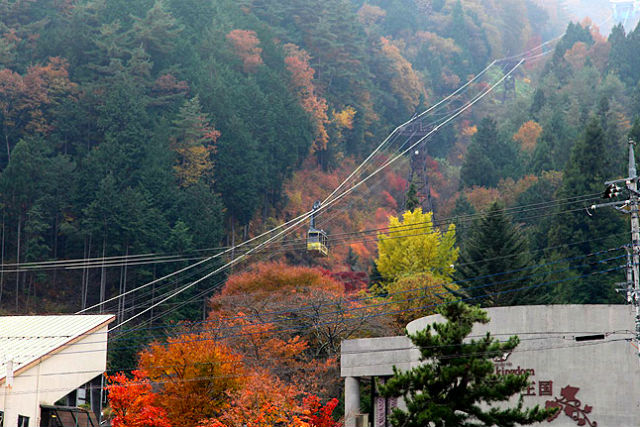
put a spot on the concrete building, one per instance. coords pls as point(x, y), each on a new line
point(580, 358)
point(47, 365)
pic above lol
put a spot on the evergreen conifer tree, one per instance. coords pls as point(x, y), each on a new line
point(457, 381)
point(493, 246)
point(462, 212)
point(412, 198)
point(489, 157)
point(579, 234)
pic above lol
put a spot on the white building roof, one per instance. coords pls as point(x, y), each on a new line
point(26, 339)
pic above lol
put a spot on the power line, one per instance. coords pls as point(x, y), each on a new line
point(290, 370)
point(304, 216)
point(545, 335)
point(304, 309)
point(503, 257)
point(384, 313)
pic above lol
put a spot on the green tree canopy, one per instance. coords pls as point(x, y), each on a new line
point(490, 157)
point(578, 233)
point(493, 246)
point(457, 386)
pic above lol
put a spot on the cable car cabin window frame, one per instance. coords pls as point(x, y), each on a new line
point(317, 243)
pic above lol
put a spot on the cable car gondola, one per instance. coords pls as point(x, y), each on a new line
point(316, 239)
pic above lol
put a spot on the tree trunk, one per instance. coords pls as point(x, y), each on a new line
point(85, 272)
point(265, 210)
point(30, 289)
point(123, 286)
point(6, 139)
point(55, 249)
point(18, 260)
point(233, 241)
point(153, 294)
point(2, 262)
point(103, 278)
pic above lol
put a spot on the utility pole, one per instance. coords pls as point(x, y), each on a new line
point(629, 206)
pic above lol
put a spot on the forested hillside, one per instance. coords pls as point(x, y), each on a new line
point(148, 144)
point(166, 127)
point(142, 135)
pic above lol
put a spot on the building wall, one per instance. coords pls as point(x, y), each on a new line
point(596, 381)
point(53, 378)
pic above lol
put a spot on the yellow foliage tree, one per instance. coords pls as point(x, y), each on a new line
point(194, 143)
point(406, 83)
point(344, 118)
point(415, 296)
point(413, 245)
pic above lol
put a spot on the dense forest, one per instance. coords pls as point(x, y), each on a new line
point(174, 127)
point(143, 136)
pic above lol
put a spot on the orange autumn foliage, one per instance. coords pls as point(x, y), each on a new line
point(133, 403)
point(528, 135)
point(266, 401)
point(297, 61)
point(369, 15)
point(599, 55)
point(406, 84)
point(594, 30)
point(196, 373)
point(469, 131)
point(267, 278)
point(269, 402)
point(311, 183)
point(510, 189)
point(25, 101)
point(481, 197)
point(292, 319)
point(295, 300)
point(577, 55)
point(245, 44)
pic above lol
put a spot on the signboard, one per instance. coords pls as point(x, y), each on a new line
point(564, 397)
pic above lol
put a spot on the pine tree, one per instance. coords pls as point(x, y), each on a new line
point(412, 198)
point(456, 381)
point(489, 158)
point(462, 221)
point(493, 246)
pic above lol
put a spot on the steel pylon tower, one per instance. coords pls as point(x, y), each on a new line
point(419, 177)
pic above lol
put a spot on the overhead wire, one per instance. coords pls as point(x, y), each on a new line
point(387, 235)
point(296, 369)
point(304, 216)
point(516, 279)
point(440, 285)
point(300, 218)
point(530, 337)
point(302, 309)
point(402, 236)
point(573, 198)
point(361, 318)
point(208, 290)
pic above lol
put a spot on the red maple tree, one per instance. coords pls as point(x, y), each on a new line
point(133, 402)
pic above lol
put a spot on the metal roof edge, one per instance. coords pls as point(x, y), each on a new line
point(58, 348)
